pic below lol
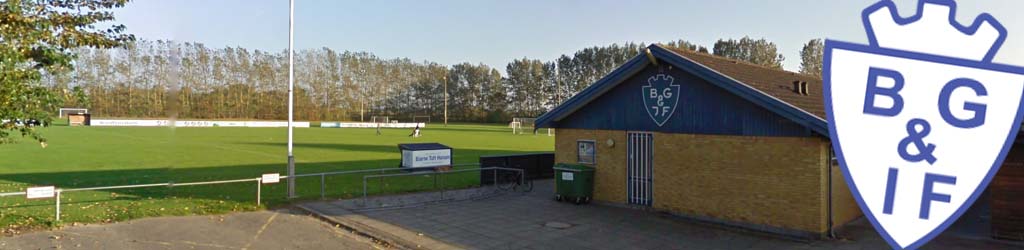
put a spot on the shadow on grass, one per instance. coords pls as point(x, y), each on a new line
point(336, 186)
point(470, 129)
point(338, 146)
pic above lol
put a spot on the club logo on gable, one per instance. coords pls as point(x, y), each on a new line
point(921, 118)
point(660, 97)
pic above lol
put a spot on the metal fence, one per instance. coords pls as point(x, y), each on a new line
point(378, 173)
point(58, 191)
point(521, 176)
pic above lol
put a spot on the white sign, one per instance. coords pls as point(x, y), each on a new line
point(271, 178)
point(371, 125)
point(40, 192)
point(921, 118)
point(426, 158)
point(566, 176)
point(163, 123)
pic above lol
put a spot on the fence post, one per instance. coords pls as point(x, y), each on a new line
point(259, 190)
point(495, 171)
point(364, 190)
point(58, 204)
point(322, 184)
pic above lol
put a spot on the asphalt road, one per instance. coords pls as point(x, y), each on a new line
point(281, 229)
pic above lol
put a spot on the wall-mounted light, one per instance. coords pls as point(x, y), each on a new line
point(650, 57)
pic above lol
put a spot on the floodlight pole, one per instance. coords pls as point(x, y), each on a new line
point(291, 96)
point(445, 79)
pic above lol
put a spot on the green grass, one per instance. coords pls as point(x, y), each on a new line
point(103, 156)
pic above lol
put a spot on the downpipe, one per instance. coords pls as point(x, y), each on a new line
point(831, 222)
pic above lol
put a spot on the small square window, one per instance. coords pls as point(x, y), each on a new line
point(586, 152)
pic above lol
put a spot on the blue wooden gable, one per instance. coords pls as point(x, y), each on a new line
point(702, 108)
point(708, 103)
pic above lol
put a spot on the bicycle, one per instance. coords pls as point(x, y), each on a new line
point(511, 181)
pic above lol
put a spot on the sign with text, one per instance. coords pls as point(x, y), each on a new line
point(40, 192)
point(426, 158)
point(660, 97)
point(168, 123)
point(270, 178)
point(921, 118)
point(371, 125)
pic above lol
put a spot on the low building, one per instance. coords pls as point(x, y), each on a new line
point(79, 119)
point(708, 138)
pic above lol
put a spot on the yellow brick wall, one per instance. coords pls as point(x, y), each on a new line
point(844, 207)
point(775, 181)
point(610, 174)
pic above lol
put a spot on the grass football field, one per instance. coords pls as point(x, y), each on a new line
point(102, 156)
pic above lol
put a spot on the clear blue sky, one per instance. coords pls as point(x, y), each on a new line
point(495, 32)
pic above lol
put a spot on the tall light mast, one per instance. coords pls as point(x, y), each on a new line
point(291, 97)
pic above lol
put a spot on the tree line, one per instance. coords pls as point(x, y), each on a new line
point(161, 79)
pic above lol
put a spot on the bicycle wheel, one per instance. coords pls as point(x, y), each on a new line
point(507, 181)
point(527, 185)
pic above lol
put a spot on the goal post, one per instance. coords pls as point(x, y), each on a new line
point(521, 124)
point(380, 119)
point(421, 119)
point(515, 126)
point(65, 111)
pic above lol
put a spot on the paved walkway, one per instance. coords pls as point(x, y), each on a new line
point(532, 221)
point(282, 229)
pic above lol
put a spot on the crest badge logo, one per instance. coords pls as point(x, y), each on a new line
point(920, 118)
point(660, 97)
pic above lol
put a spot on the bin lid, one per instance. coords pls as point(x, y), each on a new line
point(573, 167)
point(422, 146)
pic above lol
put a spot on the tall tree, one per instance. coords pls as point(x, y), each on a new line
point(38, 37)
point(760, 52)
point(687, 45)
point(811, 56)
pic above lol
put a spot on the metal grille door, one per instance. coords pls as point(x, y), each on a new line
point(640, 166)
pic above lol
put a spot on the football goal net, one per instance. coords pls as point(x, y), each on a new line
point(521, 125)
point(65, 111)
point(421, 118)
point(380, 119)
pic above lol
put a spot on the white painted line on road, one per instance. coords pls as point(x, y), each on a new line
point(258, 233)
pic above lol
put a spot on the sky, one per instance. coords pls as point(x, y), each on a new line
point(496, 32)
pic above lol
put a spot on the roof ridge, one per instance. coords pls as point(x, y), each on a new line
point(737, 61)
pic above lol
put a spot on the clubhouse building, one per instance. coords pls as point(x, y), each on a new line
point(709, 138)
point(715, 139)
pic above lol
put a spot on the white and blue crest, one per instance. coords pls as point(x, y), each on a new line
point(660, 97)
point(921, 118)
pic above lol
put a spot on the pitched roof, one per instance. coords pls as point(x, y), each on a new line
point(774, 82)
point(769, 88)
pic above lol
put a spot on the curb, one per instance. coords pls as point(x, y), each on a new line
point(360, 230)
point(380, 235)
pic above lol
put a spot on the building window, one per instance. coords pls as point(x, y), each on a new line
point(586, 152)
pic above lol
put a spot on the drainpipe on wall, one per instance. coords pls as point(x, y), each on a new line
point(831, 155)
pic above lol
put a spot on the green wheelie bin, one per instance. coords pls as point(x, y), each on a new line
point(574, 183)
